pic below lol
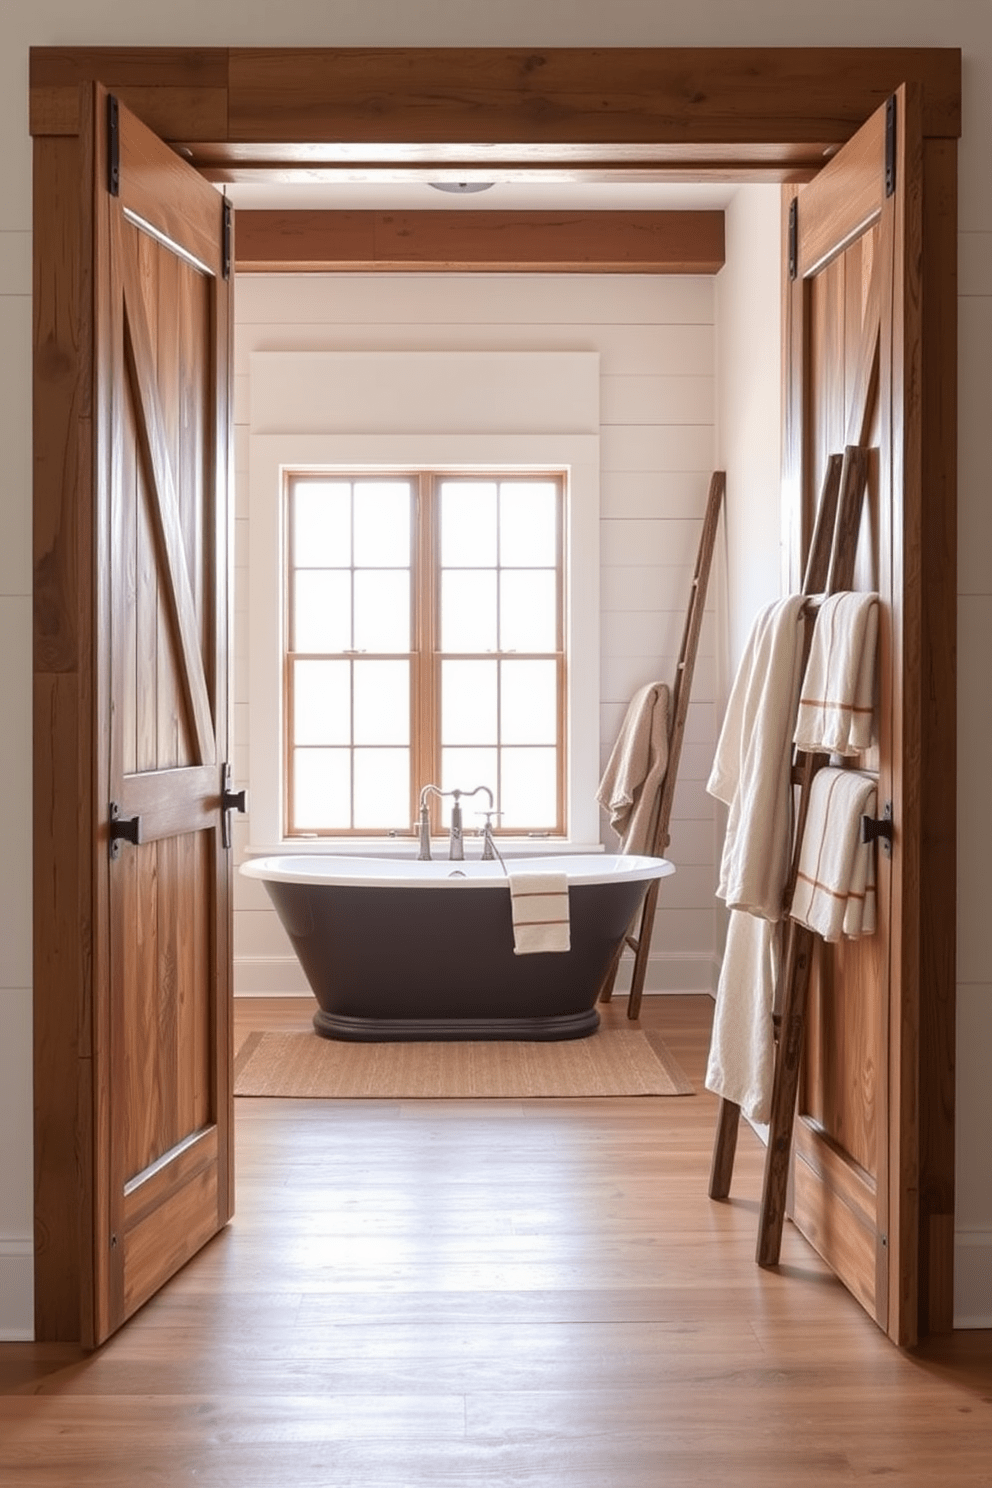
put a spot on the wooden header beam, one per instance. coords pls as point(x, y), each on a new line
point(774, 113)
point(467, 240)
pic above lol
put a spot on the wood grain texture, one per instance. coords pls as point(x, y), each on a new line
point(857, 1117)
point(849, 197)
point(496, 1292)
point(64, 826)
point(183, 625)
point(477, 241)
point(764, 108)
point(938, 749)
point(576, 95)
point(912, 884)
point(167, 1048)
point(163, 85)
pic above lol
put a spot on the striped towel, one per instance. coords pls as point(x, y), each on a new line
point(539, 905)
point(836, 704)
point(835, 887)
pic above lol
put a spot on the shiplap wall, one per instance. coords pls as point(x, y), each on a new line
point(655, 337)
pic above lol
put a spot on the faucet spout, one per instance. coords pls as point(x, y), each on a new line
point(456, 843)
point(424, 824)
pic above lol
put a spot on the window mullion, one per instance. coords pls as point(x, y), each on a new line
point(426, 753)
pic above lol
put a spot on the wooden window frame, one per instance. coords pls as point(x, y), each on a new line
point(426, 656)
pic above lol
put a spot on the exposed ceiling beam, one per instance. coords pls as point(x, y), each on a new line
point(467, 240)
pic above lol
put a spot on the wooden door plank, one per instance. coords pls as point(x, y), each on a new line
point(938, 547)
point(173, 800)
point(158, 192)
point(165, 1239)
point(850, 193)
point(161, 484)
point(170, 960)
point(843, 1233)
point(170, 700)
point(911, 565)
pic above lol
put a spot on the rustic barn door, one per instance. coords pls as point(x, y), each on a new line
point(852, 377)
point(162, 1035)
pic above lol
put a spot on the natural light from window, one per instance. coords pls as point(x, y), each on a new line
point(425, 643)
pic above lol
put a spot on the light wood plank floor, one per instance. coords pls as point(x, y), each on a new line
point(517, 1293)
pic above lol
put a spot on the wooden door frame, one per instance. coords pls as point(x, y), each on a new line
point(736, 114)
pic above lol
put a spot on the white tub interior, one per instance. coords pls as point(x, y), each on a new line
point(589, 868)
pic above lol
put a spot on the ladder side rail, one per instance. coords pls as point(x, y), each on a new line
point(792, 995)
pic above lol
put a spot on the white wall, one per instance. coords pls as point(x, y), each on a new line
point(749, 403)
point(655, 342)
point(964, 23)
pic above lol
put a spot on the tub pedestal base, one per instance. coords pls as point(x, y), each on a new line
point(438, 1030)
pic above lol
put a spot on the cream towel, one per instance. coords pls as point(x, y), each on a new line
point(753, 763)
point(752, 773)
point(836, 704)
point(539, 906)
point(742, 1047)
point(631, 783)
point(835, 887)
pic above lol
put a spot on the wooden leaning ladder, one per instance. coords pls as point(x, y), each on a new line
point(640, 943)
point(829, 570)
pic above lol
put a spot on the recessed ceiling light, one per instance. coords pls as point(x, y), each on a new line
point(462, 188)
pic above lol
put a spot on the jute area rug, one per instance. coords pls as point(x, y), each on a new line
point(610, 1062)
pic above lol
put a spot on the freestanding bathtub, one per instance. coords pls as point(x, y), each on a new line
point(410, 950)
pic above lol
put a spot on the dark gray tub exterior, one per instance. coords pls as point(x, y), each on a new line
point(427, 962)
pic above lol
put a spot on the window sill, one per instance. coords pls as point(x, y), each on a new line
point(406, 847)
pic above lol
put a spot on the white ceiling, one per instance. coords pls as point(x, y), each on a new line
point(564, 196)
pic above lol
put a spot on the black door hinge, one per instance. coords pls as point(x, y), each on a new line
point(113, 146)
point(794, 237)
point(890, 146)
point(227, 236)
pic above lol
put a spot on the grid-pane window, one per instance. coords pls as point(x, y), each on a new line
point(425, 645)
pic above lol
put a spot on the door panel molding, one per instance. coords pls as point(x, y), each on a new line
point(139, 359)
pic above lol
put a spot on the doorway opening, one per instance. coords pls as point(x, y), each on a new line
point(592, 114)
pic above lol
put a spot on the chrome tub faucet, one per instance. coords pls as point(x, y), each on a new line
point(456, 843)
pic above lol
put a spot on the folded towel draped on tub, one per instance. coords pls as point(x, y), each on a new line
point(752, 775)
point(835, 887)
point(539, 906)
point(836, 703)
point(630, 789)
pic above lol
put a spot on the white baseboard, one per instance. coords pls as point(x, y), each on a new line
point(16, 1289)
point(973, 1279)
point(269, 976)
point(673, 971)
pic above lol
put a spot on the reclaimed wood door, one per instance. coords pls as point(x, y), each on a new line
point(853, 377)
point(164, 1179)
